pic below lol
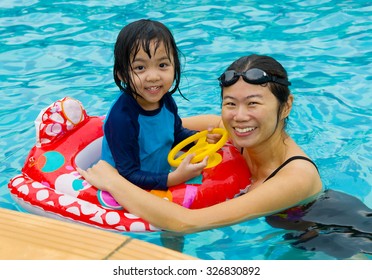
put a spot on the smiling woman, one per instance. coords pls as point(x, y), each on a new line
point(249, 105)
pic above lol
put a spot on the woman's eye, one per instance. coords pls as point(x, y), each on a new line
point(229, 104)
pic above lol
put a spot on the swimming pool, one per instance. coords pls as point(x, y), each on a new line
point(52, 49)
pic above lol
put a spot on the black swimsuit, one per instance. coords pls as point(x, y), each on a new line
point(336, 223)
point(294, 213)
point(288, 161)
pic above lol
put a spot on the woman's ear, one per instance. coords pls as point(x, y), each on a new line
point(288, 106)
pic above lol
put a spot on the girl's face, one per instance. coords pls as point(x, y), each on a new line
point(152, 77)
point(250, 113)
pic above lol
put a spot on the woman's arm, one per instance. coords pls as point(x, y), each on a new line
point(291, 187)
point(202, 122)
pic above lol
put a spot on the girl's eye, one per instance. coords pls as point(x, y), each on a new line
point(139, 68)
point(163, 65)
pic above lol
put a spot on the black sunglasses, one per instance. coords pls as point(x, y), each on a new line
point(252, 76)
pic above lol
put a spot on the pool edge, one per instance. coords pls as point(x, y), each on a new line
point(26, 236)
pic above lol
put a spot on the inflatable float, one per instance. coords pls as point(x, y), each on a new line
point(67, 137)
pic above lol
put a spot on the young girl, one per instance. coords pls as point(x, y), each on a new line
point(143, 125)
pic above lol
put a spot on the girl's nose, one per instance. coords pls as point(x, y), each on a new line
point(152, 75)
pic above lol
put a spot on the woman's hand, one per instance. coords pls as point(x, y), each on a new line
point(100, 175)
point(213, 138)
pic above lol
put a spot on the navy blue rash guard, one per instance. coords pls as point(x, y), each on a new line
point(137, 142)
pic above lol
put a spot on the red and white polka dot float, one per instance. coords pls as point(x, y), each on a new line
point(66, 137)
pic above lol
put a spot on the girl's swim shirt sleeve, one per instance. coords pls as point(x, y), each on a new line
point(180, 132)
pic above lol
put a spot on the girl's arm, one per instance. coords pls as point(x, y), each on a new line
point(298, 182)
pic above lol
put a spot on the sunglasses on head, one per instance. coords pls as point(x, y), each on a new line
point(253, 76)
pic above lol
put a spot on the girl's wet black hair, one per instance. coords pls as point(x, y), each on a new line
point(131, 39)
point(271, 67)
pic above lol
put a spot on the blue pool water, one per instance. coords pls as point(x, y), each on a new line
point(51, 49)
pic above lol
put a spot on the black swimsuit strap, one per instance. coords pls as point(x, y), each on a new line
point(288, 161)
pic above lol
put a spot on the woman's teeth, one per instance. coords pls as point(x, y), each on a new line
point(244, 130)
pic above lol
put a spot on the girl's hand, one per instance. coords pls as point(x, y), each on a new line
point(186, 170)
point(99, 175)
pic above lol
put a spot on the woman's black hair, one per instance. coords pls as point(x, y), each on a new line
point(273, 68)
point(136, 36)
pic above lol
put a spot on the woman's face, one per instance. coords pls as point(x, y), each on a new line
point(250, 113)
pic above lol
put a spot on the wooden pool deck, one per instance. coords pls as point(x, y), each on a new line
point(29, 237)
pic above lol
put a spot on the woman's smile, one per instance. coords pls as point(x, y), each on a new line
point(244, 131)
